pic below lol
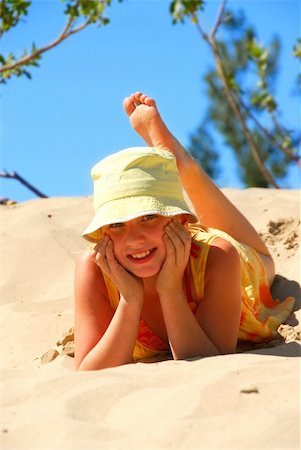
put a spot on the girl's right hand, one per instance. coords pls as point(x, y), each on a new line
point(129, 286)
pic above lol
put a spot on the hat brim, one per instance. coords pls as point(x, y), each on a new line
point(123, 210)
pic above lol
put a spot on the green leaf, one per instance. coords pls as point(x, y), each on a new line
point(297, 49)
point(181, 9)
point(11, 11)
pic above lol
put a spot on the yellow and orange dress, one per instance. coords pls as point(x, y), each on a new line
point(261, 315)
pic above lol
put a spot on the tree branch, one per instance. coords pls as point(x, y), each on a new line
point(235, 108)
point(231, 100)
point(218, 21)
point(199, 27)
point(22, 180)
point(287, 152)
point(64, 35)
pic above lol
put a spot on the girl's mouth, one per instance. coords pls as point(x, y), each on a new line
point(142, 257)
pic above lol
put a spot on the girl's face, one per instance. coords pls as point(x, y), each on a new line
point(138, 244)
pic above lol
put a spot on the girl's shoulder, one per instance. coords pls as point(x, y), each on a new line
point(207, 237)
point(211, 249)
point(203, 239)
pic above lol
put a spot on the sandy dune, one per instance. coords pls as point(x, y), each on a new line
point(249, 400)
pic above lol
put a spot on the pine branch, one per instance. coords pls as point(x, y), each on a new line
point(218, 21)
point(266, 132)
point(230, 98)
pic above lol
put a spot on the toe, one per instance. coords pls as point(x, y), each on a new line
point(137, 96)
point(149, 101)
point(129, 105)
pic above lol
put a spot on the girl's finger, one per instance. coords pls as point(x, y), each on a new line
point(182, 231)
point(181, 241)
point(186, 239)
point(170, 250)
point(100, 255)
point(101, 245)
point(111, 260)
point(184, 235)
point(101, 262)
point(173, 234)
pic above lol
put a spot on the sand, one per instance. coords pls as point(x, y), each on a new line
point(248, 400)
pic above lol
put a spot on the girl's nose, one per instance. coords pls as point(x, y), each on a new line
point(134, 235)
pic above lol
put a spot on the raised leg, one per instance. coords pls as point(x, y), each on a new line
point(211, 205)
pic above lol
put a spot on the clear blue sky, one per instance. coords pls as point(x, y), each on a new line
point(57, 125)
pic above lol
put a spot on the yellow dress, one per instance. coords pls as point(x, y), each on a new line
point(261, 315)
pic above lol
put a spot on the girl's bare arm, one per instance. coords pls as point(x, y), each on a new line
point(210, 204)
point(214, 328)
point(103, 338)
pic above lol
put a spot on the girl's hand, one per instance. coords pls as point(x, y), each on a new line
point(129, 286)
point(177, 241)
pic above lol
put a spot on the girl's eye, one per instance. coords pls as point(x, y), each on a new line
point(116, 225)
point(150, 216)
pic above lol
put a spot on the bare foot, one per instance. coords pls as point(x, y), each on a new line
point(147, 122)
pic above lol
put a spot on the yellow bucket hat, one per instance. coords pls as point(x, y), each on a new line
point(132, 183)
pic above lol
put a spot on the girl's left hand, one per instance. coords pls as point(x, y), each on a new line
point(177, 241)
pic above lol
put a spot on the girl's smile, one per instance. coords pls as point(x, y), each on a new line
point(138, 244)
point(142, 257)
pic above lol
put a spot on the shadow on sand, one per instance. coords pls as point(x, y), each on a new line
point(281, 289)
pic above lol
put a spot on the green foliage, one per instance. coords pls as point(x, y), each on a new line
point(79, 14)
point(89, 9)
point(180, 9)
point(261, 63)
point(297, 49)
point(18, 70)
point(11, 12)
point(261, 96)
point(244, 79)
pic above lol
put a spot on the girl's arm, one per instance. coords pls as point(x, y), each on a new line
point(211, 205)
point(103, 338)
point(214, 328)
point(215, 210)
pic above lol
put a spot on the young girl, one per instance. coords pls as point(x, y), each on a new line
point(158, 282)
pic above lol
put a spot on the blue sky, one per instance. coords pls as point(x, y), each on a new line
point(57, 125)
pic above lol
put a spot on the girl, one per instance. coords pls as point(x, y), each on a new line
point(158, 282)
